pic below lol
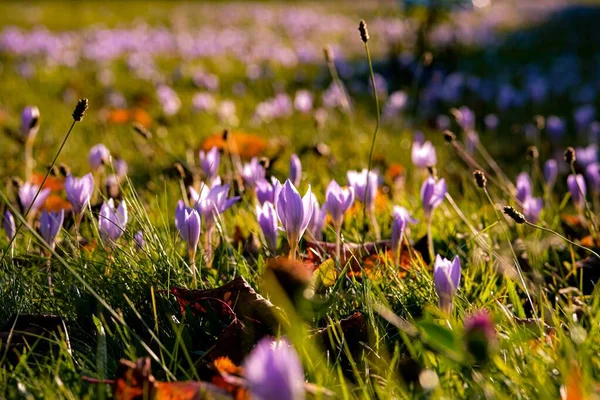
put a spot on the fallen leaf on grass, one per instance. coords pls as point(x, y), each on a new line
point(243, 144)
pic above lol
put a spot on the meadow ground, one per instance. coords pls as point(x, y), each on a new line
point(173, 231)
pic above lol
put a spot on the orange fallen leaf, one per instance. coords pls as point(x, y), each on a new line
point(56, 203)
point(53, 183)
point(122, 116)
point(245, 145)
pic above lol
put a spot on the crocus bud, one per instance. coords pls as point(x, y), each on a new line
point(423, 154)
point(294, 212)
point(432, 194)
point(480, 336)
point(112, 221)
point(98, 156)
point(8, 223)
point(27, 193)
point(532, 207)
point(550, 172)
point(274, 372)
point(577, 188)
point(524, 186)
point(30, 122)
point(338, 201)
point(79, 192)
point(401, 219)
point(50, 225)
point(139, 241)
point(187, 222)
point(365, 186)
point(295, 170)
point(209, 162)
point(267, 219)
point(446, 277)
point(592, 173)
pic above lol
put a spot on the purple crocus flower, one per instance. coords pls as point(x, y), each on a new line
point(187, 222)
point(524, 186)
point(209, 162)
point(491, 122)
point(294, 212)
point(139, 241)
point(423, 154)
point(532, 207)
point(252, 172)
point(267, 219)
point(203, 102)
point(50, 225)
point(79, 191)
point(112, 222)
point(432, 194)
point(338, 201)
point(98, 156)
point(555, 127)
point(317, 219)
point(295, 170)
point(446, 277)
point(8, 223)
point(211, 202)
point(465, 117)
point(577, 188)
point(27, 193)
point(471, 141)
point(30, 122)
point(274, 372)
point(365, 186)
point(401, 219)
point(120, 166)
point(169, 100)
point(587, 155)
point(550, 172)
point(592, 173)
point(264, 191)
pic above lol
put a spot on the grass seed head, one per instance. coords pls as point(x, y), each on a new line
point(364, 32)
point(570, 155)
point(80, 109)
point(480, 178)
point(515, 215)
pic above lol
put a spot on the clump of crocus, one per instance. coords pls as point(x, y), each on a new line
point(294, 213)
point(112, 221)
point(8, 224)
point(187, 222)
point(446, 277)
point(532, 207)
point(98, 156)
point(423, 153)
point(401, 220)
point(274, 372)
point(79, 192)
point(267, 219)
point(550, 173)
point(30, 125)
point(337, 202)
point(265, 191)
point(29, 202)
point(365, 185)
point(524, 186)
point(252, 172)
point(578, 190)
point(295, 170)
point(209, 162)
point(432, 195)
point(480, 336)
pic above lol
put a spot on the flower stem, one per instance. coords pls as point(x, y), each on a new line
point(192, 257)
point(430, 238)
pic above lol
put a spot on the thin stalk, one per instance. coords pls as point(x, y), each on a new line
point(192, 257)
point(562, 237)
point(38, 192)
point(28, 159)
point(49, 271)
point(374, 223)
point(208, 250)
point(430, 238)
point(338, 240)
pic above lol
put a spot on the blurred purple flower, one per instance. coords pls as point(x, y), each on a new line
point(206, 80)
point(587, 155)
point(423, 154)
point(480, 335)
point(397, 102)
point(274, 372)
point(295, 170)
point(550, 172)
point(169, 100)
point(577, 188)
point(432, 194)
point(209, 162)
point(252, 172)
point(211, 202)
point(203, 102)
point(30, 122)
point(584, 116)
point(187, 222)
point(365, 186)
point(79, 192)
point(267, 219)
point(50, 225)
point(446, 277)
point(98, 156)
point(8, 223)
point(303, 101)
point(227, 112)
point(592, 173)
point(120, 167)
point(471, 141)
point(555, 127)
point(139, 241)
point(317, 219)
point(293, 211)
point(491, 122)
point(524, 186)
point(532, 207)
point(27, 193)
point(338, 201)
point(465, 117)
point(112, 222)
point(443, 122)
point(401, 219)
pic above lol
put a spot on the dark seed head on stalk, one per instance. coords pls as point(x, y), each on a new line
point(570, 155)
point(364, 32)
point(141, 130)
point(533, 153)
point(64, 170)
point(328, 52)
point(80, 109)
point(480, 178)
point(514, 214)
point(432, 171)
point(449, 136)
point(225, 134)
point(53, 171)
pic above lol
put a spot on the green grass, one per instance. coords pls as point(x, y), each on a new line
point(116, 302)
